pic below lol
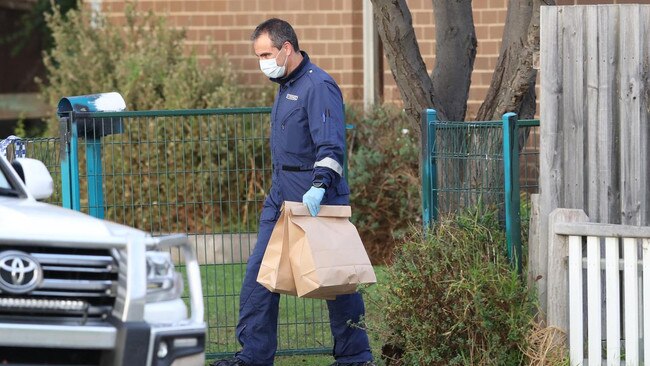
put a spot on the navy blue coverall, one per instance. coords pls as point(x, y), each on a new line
point(307, 145)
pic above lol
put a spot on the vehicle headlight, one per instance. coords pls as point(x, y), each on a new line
point(163, 282)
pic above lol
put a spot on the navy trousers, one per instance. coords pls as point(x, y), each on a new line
point(258, 310)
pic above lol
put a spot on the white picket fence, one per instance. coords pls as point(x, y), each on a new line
point(615, 321)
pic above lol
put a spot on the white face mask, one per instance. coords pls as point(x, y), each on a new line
point(271, 68)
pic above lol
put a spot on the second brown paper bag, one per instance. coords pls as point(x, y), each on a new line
point(326, 253)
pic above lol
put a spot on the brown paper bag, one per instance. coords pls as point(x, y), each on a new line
point(326, 253)
point(275, 271)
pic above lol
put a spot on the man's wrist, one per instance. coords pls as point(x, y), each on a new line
point(319, 181)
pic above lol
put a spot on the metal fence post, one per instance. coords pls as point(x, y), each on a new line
point(64, 134)
point(95, 174)
point(433, 120)
point(70, 164)
point(511, 180)
point(429, 168)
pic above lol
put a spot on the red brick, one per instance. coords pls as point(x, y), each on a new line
point(324, 5)
point(497, 4)
point(495, 32)
point(489, 16)
point(489, 47)
point(482, 31)
point(204, 6)
point(310, 34)
point(326, 34)
point(251, 63)
point(334, 48)
point(235, 5)
point(175, 7)
point(218, 5)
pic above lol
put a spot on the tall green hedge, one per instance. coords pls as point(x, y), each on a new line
point(384, 180)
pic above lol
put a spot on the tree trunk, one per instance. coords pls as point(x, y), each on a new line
point(455, 54)
point(395, 27)
point(513, 83)
point(447, 89)
point(512, 88)
point(451, 77)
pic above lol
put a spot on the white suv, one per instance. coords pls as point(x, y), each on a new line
point(76, 290)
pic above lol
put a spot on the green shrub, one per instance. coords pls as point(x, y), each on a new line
point(384, 179)
point(143, 60)
point(450, 297)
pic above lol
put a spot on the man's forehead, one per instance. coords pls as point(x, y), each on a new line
point(263, 44)
point(263, 40)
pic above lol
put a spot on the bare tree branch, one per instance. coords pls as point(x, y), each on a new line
point(395, 27)
point(513, 83)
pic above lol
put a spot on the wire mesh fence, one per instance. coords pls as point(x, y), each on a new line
point(529, 156)
point(47, 150)
point(468, 159)
point(468, 165)
point(200, 172)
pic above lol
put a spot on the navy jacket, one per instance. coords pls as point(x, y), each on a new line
point(308, 134)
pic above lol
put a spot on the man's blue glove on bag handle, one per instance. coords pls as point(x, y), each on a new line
point(312, 199)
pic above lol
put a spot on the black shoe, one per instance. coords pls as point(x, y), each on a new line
point(229, 362)
point(367, 363)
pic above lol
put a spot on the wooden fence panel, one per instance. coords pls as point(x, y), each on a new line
point(551, 92)
point(595, 109)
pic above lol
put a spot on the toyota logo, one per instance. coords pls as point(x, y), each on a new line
point(19, 272)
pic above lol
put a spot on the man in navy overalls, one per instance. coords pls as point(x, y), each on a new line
point(307, 148)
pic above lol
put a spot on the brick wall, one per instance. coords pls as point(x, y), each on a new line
point(329, 30)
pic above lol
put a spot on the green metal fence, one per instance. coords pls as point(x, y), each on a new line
point(479, 163)
point(47, 150)
point(201, 172)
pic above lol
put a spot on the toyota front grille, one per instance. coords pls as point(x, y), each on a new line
point(57, 283)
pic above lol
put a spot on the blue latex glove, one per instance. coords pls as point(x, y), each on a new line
point(312, 199)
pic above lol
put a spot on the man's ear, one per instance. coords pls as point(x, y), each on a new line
point(290, 49)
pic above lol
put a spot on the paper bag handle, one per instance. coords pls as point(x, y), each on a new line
point(325, 211)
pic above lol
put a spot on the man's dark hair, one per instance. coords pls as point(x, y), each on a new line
point(279, 31)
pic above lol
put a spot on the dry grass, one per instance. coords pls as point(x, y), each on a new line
point(546, 346)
